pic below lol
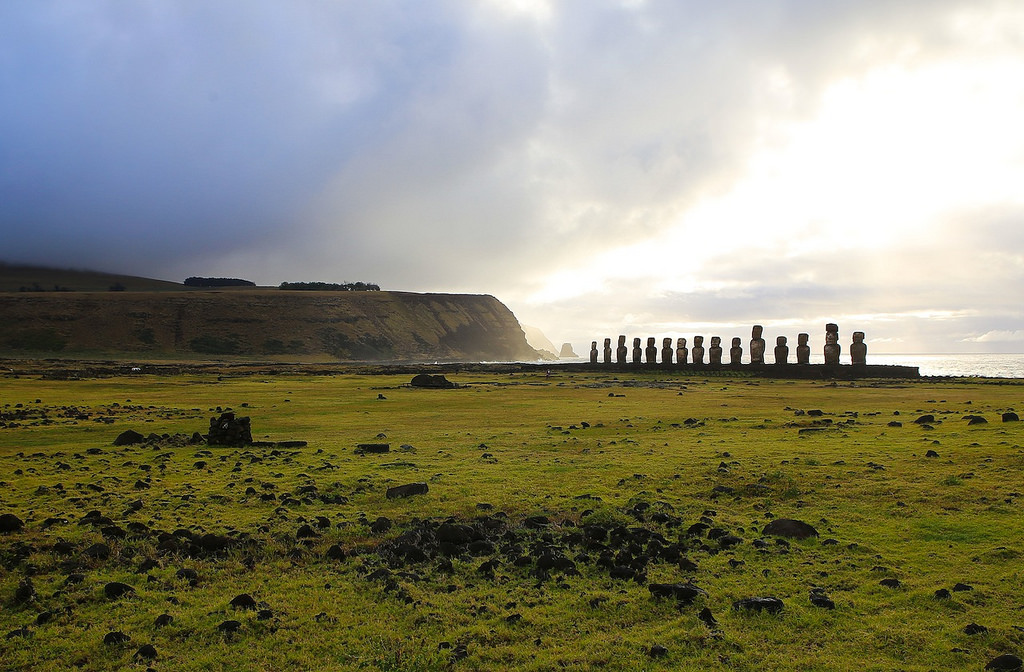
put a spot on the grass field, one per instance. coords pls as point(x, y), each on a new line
point(557, 508)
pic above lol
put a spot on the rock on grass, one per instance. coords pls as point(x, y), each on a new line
point(787, 527)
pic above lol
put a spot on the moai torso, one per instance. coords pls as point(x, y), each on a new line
point(593, 352)
point(781, 351)
point(651, 351)
point(638, 352)
point(682, 353)
point(715, 351)
point(832, 347)
point(736, 351)
point(666, 352)
point(858, 349)
point(803, 351)
point(621, 352)
point(607, 351)
point(756, 345)
point(698, 350)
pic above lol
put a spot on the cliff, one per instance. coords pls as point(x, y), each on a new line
point(263, 323)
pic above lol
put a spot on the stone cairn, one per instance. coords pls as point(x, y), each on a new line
point(227, 430)
point(681, 356)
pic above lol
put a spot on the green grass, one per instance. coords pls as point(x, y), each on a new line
point(518, 443)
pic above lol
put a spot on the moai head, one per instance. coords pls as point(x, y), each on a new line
point(698, 341)
point(756, 332)
point(666, 343)
point(622, 341)
point(737, 342)
point(636, 342)
point(781, 340)
point(593, 345)
point(716, 341)
point(801, 339)
point(650, 342)
point(681, 343)
point(831, 333)
point(858, 337)
point(607, 342)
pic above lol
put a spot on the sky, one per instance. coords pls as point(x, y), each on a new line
point(603, 167)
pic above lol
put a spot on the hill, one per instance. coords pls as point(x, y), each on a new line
point(17, 278)
point(169, 320)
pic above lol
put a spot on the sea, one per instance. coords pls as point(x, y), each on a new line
point(958, 365)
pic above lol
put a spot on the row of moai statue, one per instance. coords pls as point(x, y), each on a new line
point(682, 355)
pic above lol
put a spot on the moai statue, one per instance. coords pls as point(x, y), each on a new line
point(859, 349)
point(832, 347)
point(715, 351)
point(638, 352)
point(666, 352)
point(682, 353)
point(698, 350)
point(736, 351)
point(651, 351)
point(607, 351)
point(620, 352)
point(781, 351)
point(593, 352)
point(803, 351)
point(756, 345)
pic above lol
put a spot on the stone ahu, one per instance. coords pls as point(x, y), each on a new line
point(674, 353)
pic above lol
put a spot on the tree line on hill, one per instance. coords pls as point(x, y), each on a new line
point(306, 286)
point(331, 286)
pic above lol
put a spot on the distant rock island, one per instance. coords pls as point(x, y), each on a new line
point(103, 315)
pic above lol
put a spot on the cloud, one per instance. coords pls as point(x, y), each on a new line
point(596, 164)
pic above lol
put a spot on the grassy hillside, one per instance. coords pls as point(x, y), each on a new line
point(13, 278)
point(540, 491)
point(155, 322)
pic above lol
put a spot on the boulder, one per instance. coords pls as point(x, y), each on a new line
point(408, 490)
point(128, 437)
point(437, 382)
point(772, 605)
point(10, 523)
point(787, 527)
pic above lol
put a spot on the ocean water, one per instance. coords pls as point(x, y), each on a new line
point(988, 366)
point(966, 365)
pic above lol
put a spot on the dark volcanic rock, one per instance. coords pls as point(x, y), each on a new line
point(243, 601)
point(146, 652)
point(408, 490)
point(772, 605)
point(684, 592)
point(890, 583)
point(974, 629)
point(116, 637)
point(1010, 416)
point(229, 626)
point(657, 651)
point(437, 382)
point(163, 619)
point(10, 523)
point(1005, 663)
point(128, 437)
point(372, 448)
point(925, 419)
point(787, 527)
point(116, 589)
